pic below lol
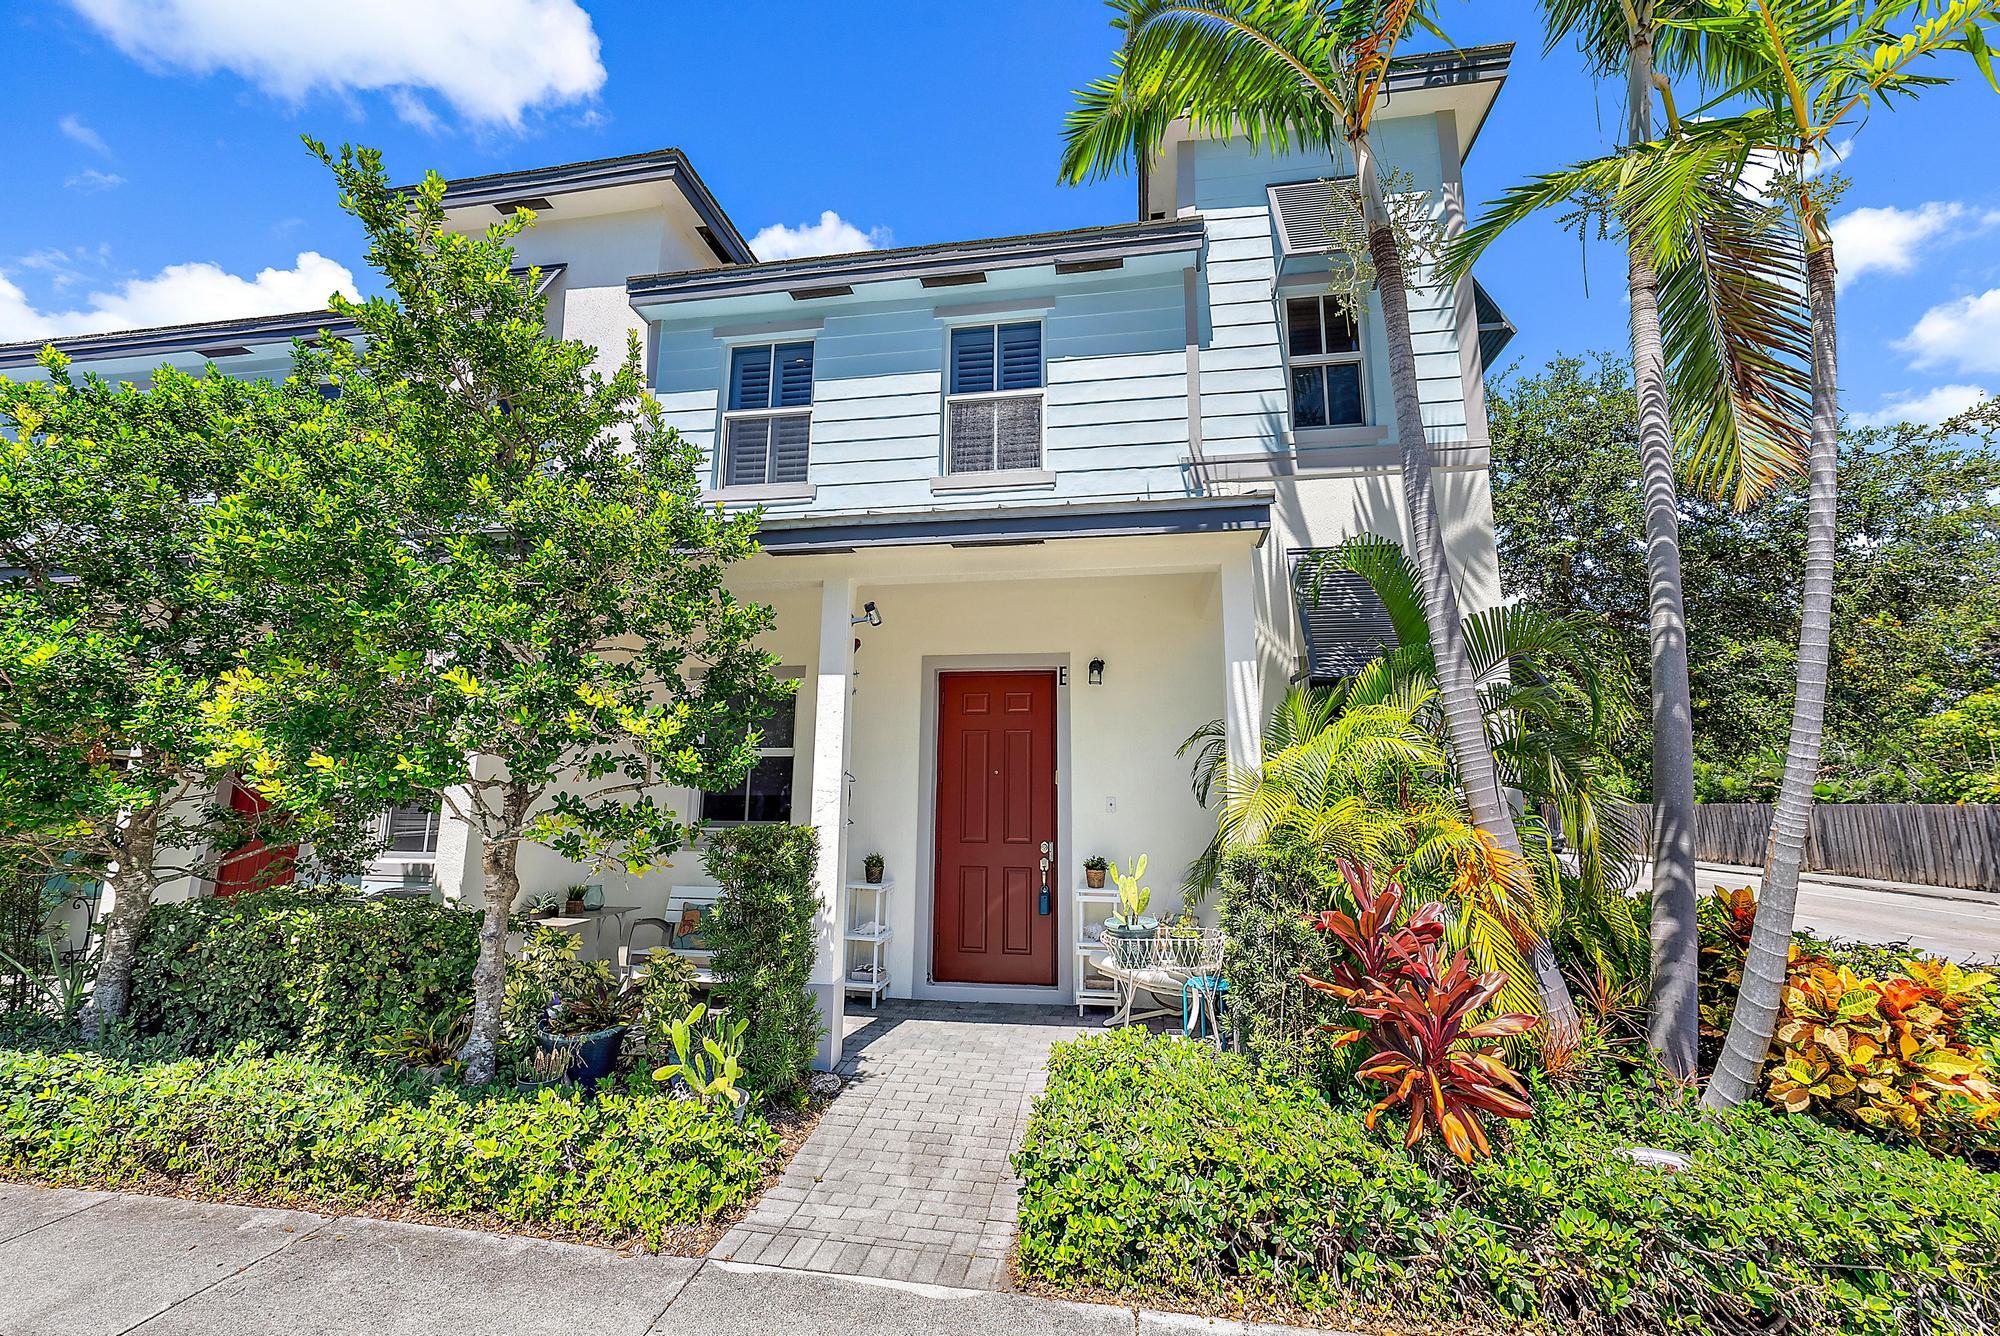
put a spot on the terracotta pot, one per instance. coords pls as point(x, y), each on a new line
point(573, 907)
point(1093, 877)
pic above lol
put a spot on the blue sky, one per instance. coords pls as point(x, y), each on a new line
point(157, 176)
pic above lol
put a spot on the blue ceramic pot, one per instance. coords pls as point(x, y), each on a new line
point(594, 1055)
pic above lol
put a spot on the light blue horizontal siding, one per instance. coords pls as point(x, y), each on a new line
point(1114, 398)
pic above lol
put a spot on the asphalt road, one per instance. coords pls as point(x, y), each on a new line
point(1960, 924)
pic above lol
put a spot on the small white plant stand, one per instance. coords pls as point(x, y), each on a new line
point(1093, 905)
point(866, 939)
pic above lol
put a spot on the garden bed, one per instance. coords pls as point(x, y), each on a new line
point(1160, 1170)
point(639, 1168)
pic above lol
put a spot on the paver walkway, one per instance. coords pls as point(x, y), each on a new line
point(907, 1175)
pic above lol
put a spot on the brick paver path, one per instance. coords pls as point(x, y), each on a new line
point(906, 1177)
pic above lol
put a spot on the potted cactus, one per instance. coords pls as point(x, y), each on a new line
point(1094, 868)
point(1130, 926)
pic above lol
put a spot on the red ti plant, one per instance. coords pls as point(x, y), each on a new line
point(1430, 1048)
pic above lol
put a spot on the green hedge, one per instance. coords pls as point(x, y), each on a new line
point(315, 972)
point(620, 1166)
point(762, 934)
point(1156, 1165)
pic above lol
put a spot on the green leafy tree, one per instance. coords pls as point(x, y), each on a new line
point(1286, 73)
point(496, 580)
point(110, 636)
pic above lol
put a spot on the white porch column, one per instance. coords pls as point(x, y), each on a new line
point(1243, 693)
point(829, 804)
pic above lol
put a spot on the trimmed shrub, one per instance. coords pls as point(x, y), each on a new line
point(1154, 1165)
point(1267, 902)
point(320, 972)
point(619, 1166)
point(761, 931)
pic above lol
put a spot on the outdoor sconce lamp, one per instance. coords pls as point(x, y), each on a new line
point(1097, 672)
point(868, 614)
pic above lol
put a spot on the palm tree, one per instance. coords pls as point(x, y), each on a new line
point(1284, 73)
point(1819, 68)
point(1624, 37)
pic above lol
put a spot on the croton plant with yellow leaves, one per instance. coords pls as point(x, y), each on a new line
point(1902, 1054)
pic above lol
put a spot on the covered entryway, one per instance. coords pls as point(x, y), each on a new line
point(994, 912)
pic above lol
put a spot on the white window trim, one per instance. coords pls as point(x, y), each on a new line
point(791, 491)
point(1357, 358)
point(1039, 393)
point(788, 674)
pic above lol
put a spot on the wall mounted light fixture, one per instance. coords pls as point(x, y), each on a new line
point(1097, 672)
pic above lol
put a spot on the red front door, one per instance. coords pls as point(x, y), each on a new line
point(253, 865)
point(996, 822)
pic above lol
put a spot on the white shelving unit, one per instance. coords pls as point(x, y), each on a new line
point(1091, 907)
point(866, 968)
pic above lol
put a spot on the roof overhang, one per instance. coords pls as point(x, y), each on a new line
point(229, 342)
point(1463, 84)
point(1084, 250)
point(660, 178)
point(1017, 525)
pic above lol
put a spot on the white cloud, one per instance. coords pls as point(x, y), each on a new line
point(831, 235)
point(177, 295)
point(1962, 333)
point(490, 60)
point(73, 127)
point(1890, 239)
point(1930, 407)
point(90, 179)
point(1834, 155)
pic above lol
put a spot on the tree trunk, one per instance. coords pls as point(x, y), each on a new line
point(1458, 691)
point(1674, 1025)
point(1741, 1066)
point(131, 898)
point(500, 858)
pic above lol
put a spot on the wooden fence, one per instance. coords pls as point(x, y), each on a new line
point(1935, 844)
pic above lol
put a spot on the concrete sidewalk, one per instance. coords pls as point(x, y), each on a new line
point(103, 1264)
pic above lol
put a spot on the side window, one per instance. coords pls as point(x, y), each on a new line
point(765, 795)
point(767, 429)
point(993, 412)
point(1324, 350)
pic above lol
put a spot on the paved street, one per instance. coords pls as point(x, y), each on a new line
point(104, 1264)
point(1961, 924)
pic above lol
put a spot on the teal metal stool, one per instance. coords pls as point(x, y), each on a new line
point(1202, 996)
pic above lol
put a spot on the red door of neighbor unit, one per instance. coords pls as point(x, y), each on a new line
point(993, 904)
point(253, 866)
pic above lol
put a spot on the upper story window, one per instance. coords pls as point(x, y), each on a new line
point(766, 792)
point(993, 417)
point(1325, 355)
point(767, 430)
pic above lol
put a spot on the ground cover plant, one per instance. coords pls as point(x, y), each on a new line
point(1157, 1165)
point(633, 1165)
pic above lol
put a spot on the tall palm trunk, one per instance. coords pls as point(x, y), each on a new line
point(1458, 689)
point(131, 899)
point(500, 863)
point(1674, 1024)
point(1748, 1044)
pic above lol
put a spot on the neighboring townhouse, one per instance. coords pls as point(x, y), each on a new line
point(1031, 511)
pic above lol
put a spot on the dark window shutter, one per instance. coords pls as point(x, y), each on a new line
point(972, 360)
point(795, 376)
point(1021, 357)
point(1345, 624)
point(750, 378)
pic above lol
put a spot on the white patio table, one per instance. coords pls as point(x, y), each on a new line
point(1161, 966)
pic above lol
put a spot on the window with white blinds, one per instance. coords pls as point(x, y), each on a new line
point(993, 414)
point(767, 430)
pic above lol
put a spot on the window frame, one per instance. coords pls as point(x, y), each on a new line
point(764, 752)
point(386, 827)
point(1357, 358)
point(1038, 392)
point(730, 416)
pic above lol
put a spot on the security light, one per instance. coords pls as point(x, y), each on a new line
point(868, 614)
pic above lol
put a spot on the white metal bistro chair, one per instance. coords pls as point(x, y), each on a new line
point(1160, 966)
point(630, 957)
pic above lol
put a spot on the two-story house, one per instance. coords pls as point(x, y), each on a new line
point(1031, 507)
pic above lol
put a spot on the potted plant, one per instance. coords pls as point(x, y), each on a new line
point(573, 898)
point(590, 1022)
point(544, 1069)
point(541, 905)
point(1094, 868)
point(1130, 926)
point(871, 868)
